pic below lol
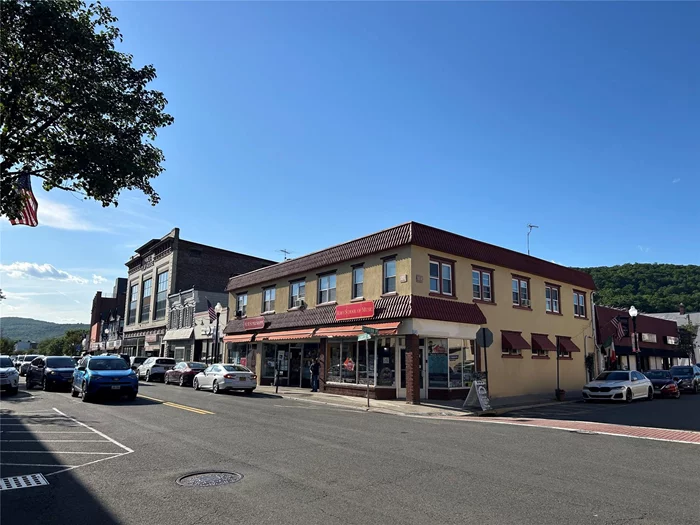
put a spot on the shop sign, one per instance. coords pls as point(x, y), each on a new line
point(478, 396)
point(244, 361)
point(361, 310)
point(153, 338)
point(254, 323)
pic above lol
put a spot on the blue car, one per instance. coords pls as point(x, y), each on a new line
point(50, 372)
point(104, 374)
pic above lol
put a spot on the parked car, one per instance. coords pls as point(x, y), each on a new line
point(688, 378)
point(154, 367)
point(50, 372)
point(9, 377)
point(26, 361)
point(183, 373)
point(76, 358)
point(136, 360)
point(619, 385)
point(664, 385)
point(17, 361)
point(226, 377)
point(104, 374)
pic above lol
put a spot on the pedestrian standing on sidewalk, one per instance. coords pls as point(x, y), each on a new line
point(315, 367)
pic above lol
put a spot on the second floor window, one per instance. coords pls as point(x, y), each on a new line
point(242, 304)
point(552, 298)
point(326, 288)
point(358, 281)
point(146, 300)
point(269, 300)
point(133, 300)
point(161, 295)
point(441, 277)
point(579, 304)
point(297, 293)
point(521, 292)
point(389, 276)
point(482, 285)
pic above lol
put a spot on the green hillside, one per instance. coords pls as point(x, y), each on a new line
point(651, 288)
point(23, 329)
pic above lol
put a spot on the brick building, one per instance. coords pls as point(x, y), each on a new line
point(164, 266)
point(107, 319)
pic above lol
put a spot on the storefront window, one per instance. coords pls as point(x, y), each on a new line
point(461, 363)
point(268, 356)
point(437, 363)
point(386, 361)
point(348, 370)
point(237, 354)
point(334, 363)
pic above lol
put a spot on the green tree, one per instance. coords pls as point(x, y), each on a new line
point(7, 346)
point(52, 346)
point(71, 339)
point(74, 112)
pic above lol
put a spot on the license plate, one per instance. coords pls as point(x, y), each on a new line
point(115, 387)
point(243, 379)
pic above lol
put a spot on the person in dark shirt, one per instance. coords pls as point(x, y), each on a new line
point(315, 368)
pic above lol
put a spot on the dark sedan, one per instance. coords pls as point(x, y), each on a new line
point(664, 385)
point(51, 372)
point(183, 373)
point(687, 377)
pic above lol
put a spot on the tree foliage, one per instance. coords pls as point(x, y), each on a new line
point(74, 112)
point(651, 288)
point(64, 345)
point(7, 346)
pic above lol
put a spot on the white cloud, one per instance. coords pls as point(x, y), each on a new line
point(643, 249)
point(27, 270)
point(98, 279)
point(63, 217)
point(676, 180)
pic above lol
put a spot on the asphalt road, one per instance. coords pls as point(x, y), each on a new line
point(310, 463)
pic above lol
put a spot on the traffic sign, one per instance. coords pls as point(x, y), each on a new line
point(364, 337)
point(369, 330)
point(484, 337)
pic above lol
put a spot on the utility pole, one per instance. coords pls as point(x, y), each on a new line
point(529, 231)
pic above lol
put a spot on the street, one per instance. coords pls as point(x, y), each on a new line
point(118, 462)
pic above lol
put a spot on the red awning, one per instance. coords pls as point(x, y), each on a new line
point(542, 342)
point(354, 331)
point(568, 345)
point(288, 335)
point(243, 338)
point(513, 341)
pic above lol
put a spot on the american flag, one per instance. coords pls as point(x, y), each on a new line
point(28, 214)
point(212, 312)
point(618, 328)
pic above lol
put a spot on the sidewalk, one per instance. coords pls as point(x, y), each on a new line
point(427, 408)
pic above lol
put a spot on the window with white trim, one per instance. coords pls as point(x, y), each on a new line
point(358, 281)
point(389, 276)
point(297, 293)
point(521, 292)
point(511, 351)
point(269, 300)
point(326, 288)
point(552, 298)
point(242, 303)
point(482, 285)
point(579, 304)
point(441, 277)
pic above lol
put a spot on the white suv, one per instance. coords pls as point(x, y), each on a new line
point(154, 367)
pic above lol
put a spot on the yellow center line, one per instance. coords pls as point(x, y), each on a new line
point(176, 405)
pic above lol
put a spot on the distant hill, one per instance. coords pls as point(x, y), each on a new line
point(23, 329)
point(651, 288)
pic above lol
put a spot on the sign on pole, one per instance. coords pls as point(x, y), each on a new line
point(364, 337)
point(369, 330)
point(484, 337)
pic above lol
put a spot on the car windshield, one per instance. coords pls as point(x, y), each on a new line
point(107, 364)
point(5, 362)
point(197, 366)
point(139, 359)
point(613, 376)
point(60, 362)
point(682, 370)
point(658, 374)
point(30, 358)
point(235, 368)
point(165, 361)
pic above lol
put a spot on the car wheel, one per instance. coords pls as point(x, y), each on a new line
point(678, 394)
point(45, 385)
point(84, 395)
point(13, 391)
point(697, 388)
point(73, 391)
point(182, 381)
point(148, 376)
point(628, 396)
point(165, 379)
point(132, 396)
point(650, 395)
point(195, 384)
point(215, 388)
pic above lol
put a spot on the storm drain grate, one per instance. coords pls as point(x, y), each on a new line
point(209, 479)
point(23, 482)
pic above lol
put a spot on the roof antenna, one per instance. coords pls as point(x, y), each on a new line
point(530, 227)
point(286, 253)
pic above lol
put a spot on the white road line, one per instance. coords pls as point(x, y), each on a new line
point(60, 452)
point(45, 432)
point(28, 425)
point(54, 441)
point(127, 449)
point(35, 465)
point(86, 464)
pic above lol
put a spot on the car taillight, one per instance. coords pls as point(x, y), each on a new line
point(254, 376)
point(230, 376)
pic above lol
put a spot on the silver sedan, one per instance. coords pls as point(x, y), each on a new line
point(226, 377)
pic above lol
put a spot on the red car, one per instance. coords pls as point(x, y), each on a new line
point(183, 373)
point(664, 385)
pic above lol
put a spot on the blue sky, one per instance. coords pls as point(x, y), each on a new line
point(302, 125)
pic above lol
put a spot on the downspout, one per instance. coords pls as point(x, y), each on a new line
point(596, 349)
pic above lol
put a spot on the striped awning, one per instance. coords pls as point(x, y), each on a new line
point(354, 331)
point(288, 335)
point(242, 338)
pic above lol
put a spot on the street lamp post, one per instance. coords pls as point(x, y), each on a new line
point(635, 343)
point(218, 308)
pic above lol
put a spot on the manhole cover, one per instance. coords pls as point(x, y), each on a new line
point(209, 479)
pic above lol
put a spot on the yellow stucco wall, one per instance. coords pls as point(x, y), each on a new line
point(372, 288)
point(509, 376)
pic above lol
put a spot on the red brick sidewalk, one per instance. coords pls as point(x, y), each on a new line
point(659, 434)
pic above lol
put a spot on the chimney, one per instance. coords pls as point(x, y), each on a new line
point(681, 309)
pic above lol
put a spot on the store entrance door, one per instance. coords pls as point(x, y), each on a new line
point(422, 372)
point(294, 378)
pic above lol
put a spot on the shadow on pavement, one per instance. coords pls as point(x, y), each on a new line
point(20, 397)
point(64, 500)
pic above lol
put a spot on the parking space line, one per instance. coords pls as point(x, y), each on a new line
point(54, 441)
point(127, 449)
point(35, 465)
point(60, 452)
point(45, 432)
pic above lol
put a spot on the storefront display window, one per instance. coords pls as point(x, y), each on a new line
point(461, 363)
point(334, 362)
point(437, 363)
point(268, 356)
point(238, 354)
